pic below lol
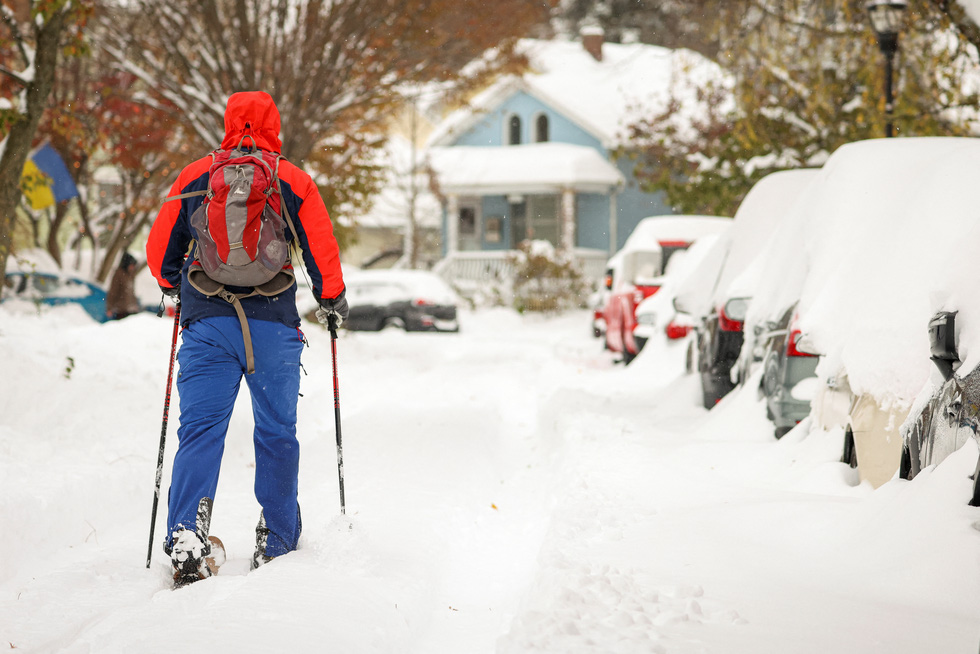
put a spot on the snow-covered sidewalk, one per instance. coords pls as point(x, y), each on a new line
point(508, 489)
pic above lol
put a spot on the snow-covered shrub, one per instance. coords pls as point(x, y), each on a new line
point(546, 279)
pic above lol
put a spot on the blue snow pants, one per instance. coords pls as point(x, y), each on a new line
point(212, 364)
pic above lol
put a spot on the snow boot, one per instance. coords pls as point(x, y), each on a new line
point(260, 558)
point(194, 559)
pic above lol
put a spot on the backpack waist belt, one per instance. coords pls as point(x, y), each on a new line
point(204, 284)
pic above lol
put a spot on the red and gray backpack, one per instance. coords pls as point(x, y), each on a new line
point(241, 227)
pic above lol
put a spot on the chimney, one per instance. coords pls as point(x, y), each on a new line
point(593, 37)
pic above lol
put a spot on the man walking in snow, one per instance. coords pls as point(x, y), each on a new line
point(236, 331)
point(120, 300)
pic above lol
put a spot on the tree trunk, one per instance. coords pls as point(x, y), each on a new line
point(18, 142)
point(54, 247)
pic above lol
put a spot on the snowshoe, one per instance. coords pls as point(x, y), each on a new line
point(194, 559)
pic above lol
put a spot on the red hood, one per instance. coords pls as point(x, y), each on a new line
point(253, 113)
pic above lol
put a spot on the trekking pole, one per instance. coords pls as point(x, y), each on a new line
point(336, 409)
point(163, 435)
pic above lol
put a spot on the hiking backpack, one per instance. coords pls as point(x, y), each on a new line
point(241, 231)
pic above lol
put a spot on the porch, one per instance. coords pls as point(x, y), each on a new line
point(495, 198)
point(497, 266)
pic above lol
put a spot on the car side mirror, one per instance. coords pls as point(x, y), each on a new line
point(942, 342)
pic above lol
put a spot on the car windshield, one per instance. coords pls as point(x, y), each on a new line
point(645, 265)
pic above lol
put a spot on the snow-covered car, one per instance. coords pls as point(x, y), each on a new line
point(718, 293)
point(883, 238)
point(597, 300)
point(656, 313)
point(789, 373)
point(53, 289)
point(638, 272)
point(414, 300)
point(948, 414)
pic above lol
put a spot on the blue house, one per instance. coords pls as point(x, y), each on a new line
point(532, 157)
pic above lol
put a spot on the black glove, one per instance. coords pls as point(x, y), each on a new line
point(173, 292)
point(333, 312)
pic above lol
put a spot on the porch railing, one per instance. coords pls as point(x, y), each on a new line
point(497, 265)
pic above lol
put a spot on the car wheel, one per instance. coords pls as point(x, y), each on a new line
point(394, 323)
point(975, 500)
point(849, 456)
point(905, 466)
point(779, 432)
point(708, 397)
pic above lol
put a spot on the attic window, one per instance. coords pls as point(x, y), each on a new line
point(514, 130)
point(541, 129)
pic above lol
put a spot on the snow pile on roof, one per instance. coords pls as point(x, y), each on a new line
point(529, 168)
point(659, 229)
point(604, 97)
point(886, 235)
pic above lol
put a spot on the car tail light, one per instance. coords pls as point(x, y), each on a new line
point(795, 334)
point(727, 324)
point(643, 292)
point(675, 331)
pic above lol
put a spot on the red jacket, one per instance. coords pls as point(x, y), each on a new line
point(253, 114)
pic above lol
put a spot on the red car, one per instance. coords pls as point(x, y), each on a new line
point(637, 271)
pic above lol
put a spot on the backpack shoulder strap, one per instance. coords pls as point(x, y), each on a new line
point(192, 193)
point(282, 204)
point(185, 195)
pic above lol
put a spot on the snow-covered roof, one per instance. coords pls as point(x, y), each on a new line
point(602, 97)
point(530, 168)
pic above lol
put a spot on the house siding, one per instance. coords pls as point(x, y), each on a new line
point(592, 210)
point(490, 129)
point(592, 221)
point(633, 205)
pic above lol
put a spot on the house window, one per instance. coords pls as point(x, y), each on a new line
point(514, 130)
point(542, 218)
point(541, 129)
point(493, 229)
point(535, 218)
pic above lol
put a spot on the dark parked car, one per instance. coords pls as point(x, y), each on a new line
point(717, 346)
point(414, 300)
point(786, 367)
point(951, 415)
point(53, 289)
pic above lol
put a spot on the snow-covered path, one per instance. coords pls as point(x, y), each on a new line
point(508, 488)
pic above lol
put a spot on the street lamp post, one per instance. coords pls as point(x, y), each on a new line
point(887, 19)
